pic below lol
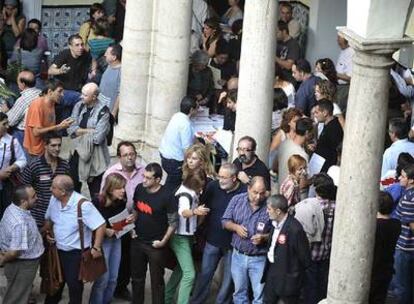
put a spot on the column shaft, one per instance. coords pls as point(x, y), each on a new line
point(355, 216)
point(255, 94)
point(169, 68)
point(135, 70)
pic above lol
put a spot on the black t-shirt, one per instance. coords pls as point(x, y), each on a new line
point(388, 231)
point(107, 212)
point(217, 200)
point(329, 140)
point(77, 76)
point(258, 169)
point(229, 120)
point(228, 69)
point(288, 50)
point(152, 210)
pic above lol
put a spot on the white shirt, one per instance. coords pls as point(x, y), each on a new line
point(178, 136)
point(5, 153)
point(65, 222)
point(186, 226)
point(309, 213)
point(344, 64)
point(275, 236)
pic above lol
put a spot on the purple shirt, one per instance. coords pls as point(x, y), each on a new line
point(239, 212)
point(135, 178)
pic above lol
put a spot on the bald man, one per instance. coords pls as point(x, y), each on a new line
point(26, 82)
point(61, 218)
point(91, 127)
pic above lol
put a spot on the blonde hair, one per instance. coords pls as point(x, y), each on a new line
point(112, 182)
point(294, 162)
point(203, 154)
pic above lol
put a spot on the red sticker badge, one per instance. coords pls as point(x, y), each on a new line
point(281, 239)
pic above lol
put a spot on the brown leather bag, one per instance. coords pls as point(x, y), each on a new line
point(50, 270)
point(90, 268)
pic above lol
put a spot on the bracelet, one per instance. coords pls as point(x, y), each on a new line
point(97, 249)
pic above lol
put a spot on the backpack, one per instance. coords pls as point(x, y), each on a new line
point(103, 111)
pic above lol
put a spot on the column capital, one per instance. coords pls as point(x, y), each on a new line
point(373, 46)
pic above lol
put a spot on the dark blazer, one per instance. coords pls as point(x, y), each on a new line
point(292, 258)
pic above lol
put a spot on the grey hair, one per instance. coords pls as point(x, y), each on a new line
point(200, 57)
point(278, 202)
point(232, 168)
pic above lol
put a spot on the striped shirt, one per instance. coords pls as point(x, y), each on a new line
point(98, 46)
point(18, 231)
point(405, 213)
point(39, 174)
point(17, 113)
point(240, 212)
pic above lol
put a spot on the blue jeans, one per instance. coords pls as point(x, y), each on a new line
point(211, 258)
point(174, 171)
point(104, 287)
point(404, 273)
point(243, 269)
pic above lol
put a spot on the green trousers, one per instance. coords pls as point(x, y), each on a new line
point(184, 273)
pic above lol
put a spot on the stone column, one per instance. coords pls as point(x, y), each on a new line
point(355, 216)
point(135, 71)
point(255, 95)
point(169, 68)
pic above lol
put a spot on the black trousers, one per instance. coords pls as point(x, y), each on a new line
point(141, 255)
point(70, 261)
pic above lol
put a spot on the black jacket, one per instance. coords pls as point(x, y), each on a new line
point(292, 257)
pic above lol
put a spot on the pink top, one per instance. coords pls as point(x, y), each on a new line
point(290, 189)
point(133, 180)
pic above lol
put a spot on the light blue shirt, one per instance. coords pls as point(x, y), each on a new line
point(390, 158)
point(65, 222)
point(178, 136)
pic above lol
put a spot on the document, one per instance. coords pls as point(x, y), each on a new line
point(315, 164)
point(119, 224)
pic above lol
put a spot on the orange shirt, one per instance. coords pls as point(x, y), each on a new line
point(39, 115)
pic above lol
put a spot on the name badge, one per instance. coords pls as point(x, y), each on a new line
point(45, 177)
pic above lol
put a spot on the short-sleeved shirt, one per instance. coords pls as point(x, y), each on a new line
point(405, 213)
point(152, 210)
point(19, 232)
point(39, 174)
point(217, 200)
point(65, 222)
point(240, 213)
point(257, 169)
point(109, 86)
point(76, 77)
point(39, 115)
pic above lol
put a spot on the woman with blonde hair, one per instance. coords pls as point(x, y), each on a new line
point(290, 188)
point(197, 157)
point(110, 202)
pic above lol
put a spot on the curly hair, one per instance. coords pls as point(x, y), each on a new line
point(327, 89)
point(288, 116)
point(203, 154)
point(328, 69)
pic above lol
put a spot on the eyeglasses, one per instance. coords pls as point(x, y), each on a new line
point(238, 149)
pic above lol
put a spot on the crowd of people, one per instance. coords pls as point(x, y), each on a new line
point(269, 221)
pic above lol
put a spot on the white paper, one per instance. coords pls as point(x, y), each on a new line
point(315, 164)
point(216, 77)
point(225, 139)
point(120, 219)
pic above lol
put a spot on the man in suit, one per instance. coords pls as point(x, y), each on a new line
point(288, 255)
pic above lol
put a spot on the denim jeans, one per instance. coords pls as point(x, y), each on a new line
point(211, 258)
point(174, 171)
point(104, 287)
point(243, 269)
point(184, 273)
point(404, 273)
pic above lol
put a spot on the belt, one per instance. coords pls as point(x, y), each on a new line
point(249, 254)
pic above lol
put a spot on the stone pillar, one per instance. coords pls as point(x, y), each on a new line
point(355, 217)
point(169, 68)
point(255, 95)
point(135, 71)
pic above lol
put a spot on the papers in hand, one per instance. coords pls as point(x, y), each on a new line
point(225, 139)
point(119, 224)
point(315, 164)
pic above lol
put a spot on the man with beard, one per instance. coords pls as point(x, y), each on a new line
point(249, 164)
point(216, 197)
